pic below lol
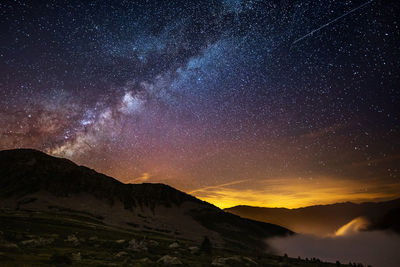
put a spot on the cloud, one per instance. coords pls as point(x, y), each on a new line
point(141, 179)
point(375, 248)
point(294, 192)
point(350, 243)
point(207, 188)
point(353, 227)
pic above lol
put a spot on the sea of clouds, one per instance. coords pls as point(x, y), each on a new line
point(349, 244)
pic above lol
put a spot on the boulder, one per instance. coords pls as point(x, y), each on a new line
point(219, 261)
point(169, 260)
point(121, 254)
point(8, 245)
point(37, 242)
point(174, 245)
point(228, 261)
point(29, 243)
point(146, 260)
point(137, 245)
point(153, 243)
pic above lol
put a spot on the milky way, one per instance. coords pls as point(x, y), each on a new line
point(217, 98)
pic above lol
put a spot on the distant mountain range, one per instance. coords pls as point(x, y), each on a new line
point(33, 180)
point(326, 219)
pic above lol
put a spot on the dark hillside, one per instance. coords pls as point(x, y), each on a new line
point(33, 180)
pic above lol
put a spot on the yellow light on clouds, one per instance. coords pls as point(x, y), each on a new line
point(295, 192)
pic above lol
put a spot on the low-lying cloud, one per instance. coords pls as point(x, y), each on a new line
point(375, 248)
point(353, 227)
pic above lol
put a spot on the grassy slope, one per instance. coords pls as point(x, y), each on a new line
point(26, 171)
point(17, 226)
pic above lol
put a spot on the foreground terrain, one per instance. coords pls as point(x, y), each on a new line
point(32, 238)
point(54, 212)
point(32, 180)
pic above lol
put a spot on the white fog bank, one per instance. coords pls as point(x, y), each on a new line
point(376, 248)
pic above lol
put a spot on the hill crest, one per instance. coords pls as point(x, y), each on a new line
point(33, 180)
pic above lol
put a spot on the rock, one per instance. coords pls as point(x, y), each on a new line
point(120, 241)
point(194, 249)
point(121, 254)
point(174, 245)
point(29, 242)
point(8, 245)
point(37, 242)
point(72, 238)
point(137, 245)
point(169, 260)
point(220, 261)
point(146, 260)
point(76, 256)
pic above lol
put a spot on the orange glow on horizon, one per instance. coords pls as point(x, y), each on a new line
point(294, 193)
point(281, 192)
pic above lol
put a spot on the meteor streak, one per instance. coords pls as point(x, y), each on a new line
point(332, 21)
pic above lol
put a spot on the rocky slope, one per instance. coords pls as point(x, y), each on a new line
point(32, 180)
point(48, 238)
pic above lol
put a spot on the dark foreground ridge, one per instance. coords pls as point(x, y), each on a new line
point(33, 180)
point(56, 213)
point(27, 171)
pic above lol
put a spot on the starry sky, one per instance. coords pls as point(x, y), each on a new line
point(268, 103)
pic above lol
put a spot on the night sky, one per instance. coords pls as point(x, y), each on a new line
point(269, 103)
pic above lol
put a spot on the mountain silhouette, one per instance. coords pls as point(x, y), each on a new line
point(326, 219)
point(33, 180)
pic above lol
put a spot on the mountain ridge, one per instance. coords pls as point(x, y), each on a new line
point(317, 205)
point(326, 219)
point(33, 180)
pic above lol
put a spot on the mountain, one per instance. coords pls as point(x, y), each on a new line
point(31, 180)
point(326, 219)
